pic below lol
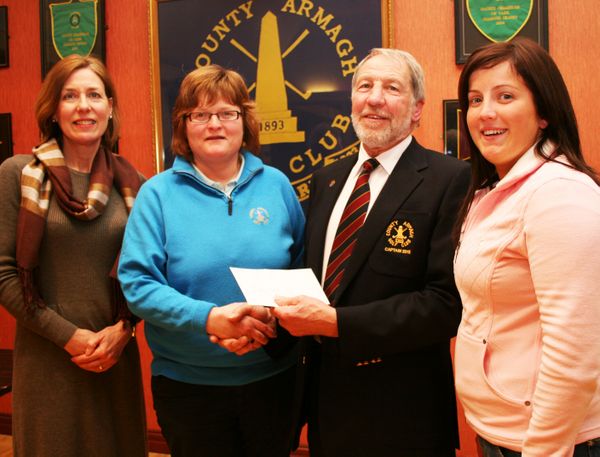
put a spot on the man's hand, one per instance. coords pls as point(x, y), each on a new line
point(304, 315)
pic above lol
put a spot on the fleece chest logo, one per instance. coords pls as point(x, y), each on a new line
point(259, 216)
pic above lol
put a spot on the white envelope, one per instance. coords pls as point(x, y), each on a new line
point(261, 286)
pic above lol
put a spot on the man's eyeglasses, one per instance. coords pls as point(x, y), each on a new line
point(200, 117)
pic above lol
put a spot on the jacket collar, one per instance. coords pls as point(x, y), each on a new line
point(526, 165)
point(405, 177)
point(252, 166)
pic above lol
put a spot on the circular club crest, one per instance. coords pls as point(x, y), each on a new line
point(400, 234)
point(259, 216)
point(74, 20)
point(297, 58)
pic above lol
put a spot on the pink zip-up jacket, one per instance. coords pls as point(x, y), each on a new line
point(527, 354)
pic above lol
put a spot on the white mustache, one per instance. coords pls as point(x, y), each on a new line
point(384, 115)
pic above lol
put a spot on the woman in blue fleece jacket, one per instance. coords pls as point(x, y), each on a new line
point(218, 206)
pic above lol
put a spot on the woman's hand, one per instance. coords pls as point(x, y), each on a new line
point(107, 346)
point(82, 342)
point(239, 346)
point(238, 320)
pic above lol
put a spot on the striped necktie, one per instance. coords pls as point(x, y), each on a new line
point(346, 235)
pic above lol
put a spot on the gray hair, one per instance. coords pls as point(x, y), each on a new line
point(417, 77)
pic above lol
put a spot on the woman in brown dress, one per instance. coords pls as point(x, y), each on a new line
point(77, 387)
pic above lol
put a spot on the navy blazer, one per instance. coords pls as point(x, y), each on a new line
point(385, 385)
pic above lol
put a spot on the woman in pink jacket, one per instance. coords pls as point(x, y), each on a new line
point(528, 263)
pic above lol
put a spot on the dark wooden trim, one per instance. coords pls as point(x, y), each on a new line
point(6, 355)
point(302, 450)
point(156, 442)
point(5, 424)
point(4, 38)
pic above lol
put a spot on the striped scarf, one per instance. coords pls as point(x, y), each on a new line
point(48, 173)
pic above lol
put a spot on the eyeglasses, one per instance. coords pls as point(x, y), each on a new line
point(200, 117)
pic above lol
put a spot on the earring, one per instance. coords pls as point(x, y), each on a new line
point(110, 117)
point(54, 120)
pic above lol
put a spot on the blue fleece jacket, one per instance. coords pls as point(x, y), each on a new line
point(181, 238)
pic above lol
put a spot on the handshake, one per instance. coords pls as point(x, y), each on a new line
point(241, 328)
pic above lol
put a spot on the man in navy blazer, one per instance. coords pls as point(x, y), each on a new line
point(376, 363)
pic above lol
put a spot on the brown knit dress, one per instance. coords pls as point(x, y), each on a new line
point(58, 408)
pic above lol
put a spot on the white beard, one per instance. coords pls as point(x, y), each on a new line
point(385, 138)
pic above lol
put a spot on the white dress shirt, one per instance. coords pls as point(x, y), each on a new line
point(387, 161)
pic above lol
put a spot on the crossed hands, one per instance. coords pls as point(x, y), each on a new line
point(98, 351)
point(300, 315)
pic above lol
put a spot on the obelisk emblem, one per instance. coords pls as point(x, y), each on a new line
point(277, 125)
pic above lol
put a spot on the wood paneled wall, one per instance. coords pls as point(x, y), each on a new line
point(425, 28)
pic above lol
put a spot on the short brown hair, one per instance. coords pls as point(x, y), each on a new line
point(206, 85)
point(49, 98)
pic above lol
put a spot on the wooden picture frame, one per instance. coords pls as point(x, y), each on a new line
point(71, 27)
point(469, 37)
point(318, 50)
point(6, 145)
point(451, 128)
point(454, 138)
point(4, 48)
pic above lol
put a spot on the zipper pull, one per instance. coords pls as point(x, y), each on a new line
point(229, 206)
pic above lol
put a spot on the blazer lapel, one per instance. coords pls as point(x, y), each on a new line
point(402, 181)
point(330, 185)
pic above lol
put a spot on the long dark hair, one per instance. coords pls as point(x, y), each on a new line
point(552, 102)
